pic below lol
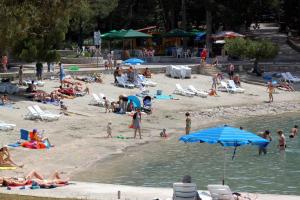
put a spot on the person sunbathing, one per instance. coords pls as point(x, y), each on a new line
point(5, 99)
point(36, 137)
point(5, 159)
point(213, 92)
point(286, 86)
point(35, 178)
point(147, 73)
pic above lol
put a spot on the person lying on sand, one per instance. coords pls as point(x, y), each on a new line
point(284, 85)
point(34, 177)
point(5, 159)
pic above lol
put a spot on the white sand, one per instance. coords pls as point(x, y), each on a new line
point(79, 140)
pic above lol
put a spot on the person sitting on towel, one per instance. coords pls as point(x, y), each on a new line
point(5, 159)
point(36, 137)
point(147, 73)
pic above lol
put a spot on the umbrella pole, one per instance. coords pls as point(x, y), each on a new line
point(224, 168)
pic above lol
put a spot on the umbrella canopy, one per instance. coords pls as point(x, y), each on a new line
point(226, 34)
point(74, 68)
point(133, 61)
point(178, 33)
point(200, 35)
point(135, 100)
point(128, 34)
point(109, 35)
point(226, 136)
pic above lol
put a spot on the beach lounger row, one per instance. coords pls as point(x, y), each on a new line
point(230, 87)
point(287, 76)
point(188, 191)
point(190, 91)
point(35, 112)
point(6, 127)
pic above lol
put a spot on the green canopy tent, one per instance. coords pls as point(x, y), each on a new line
point(126, 34)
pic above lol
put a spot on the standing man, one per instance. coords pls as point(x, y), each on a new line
point(281, 141)
point(188, 123)
point(21, 75)
point(294, 132)
point(231, 71)
point(137, 119)
point(263, 149)
point(61, 73)
point(4, 62)
point(39, 70)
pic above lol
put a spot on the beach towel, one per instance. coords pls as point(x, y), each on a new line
point(17, 144)
point(33, 145)
point(163, 97)
point(8, 168)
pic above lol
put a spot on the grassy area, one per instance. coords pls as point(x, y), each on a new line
point(22, 197)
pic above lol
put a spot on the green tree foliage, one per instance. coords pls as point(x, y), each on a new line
point(251, 49)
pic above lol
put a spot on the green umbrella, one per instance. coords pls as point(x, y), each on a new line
point(175, 33)
point(130, 34)
point(109, 35)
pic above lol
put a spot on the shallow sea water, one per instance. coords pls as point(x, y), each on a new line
point(162, 163)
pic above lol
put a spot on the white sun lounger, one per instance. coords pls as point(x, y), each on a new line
point(224, 87)
point(123, 83)
point(96, 100)
point(292, 78)
point(218, 192)
point(5, 126)
point(146, 81)
point(32, 114)
point(101, 95)
point(197, 92)
point(181, 91)
point(234, 88)
point(184, 191)
point(46, 115)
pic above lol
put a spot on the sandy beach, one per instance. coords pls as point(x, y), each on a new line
point(79, 138)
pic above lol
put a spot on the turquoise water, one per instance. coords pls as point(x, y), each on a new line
point(162, 163)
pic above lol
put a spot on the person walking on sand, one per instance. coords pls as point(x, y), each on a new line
point(263, 149)
point(294, 132)
point(281, 141)
point(214, 82)
point(109, 130)
point(271, 90)
point(21, 75)
point(188, 123)
point(137, 119)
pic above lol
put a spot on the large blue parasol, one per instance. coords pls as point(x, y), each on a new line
point(226, 136)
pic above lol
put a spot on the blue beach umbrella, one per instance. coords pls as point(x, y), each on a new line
point(133, 61)
point(226, 136)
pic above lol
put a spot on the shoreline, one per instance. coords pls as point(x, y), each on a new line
point(84, 190)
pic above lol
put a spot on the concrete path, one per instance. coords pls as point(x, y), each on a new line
point(83, 190)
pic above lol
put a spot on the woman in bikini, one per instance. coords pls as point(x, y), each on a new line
point(34, 177)
point(281, 141)
point(5, 159)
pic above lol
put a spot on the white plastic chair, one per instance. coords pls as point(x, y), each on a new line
point(32, 114)
point(5, 126)
point(197, 92)
point(96, 100)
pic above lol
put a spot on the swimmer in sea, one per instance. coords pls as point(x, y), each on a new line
point(263, 149)
point(294, 132)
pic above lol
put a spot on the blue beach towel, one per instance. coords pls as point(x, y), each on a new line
point(163, 97)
